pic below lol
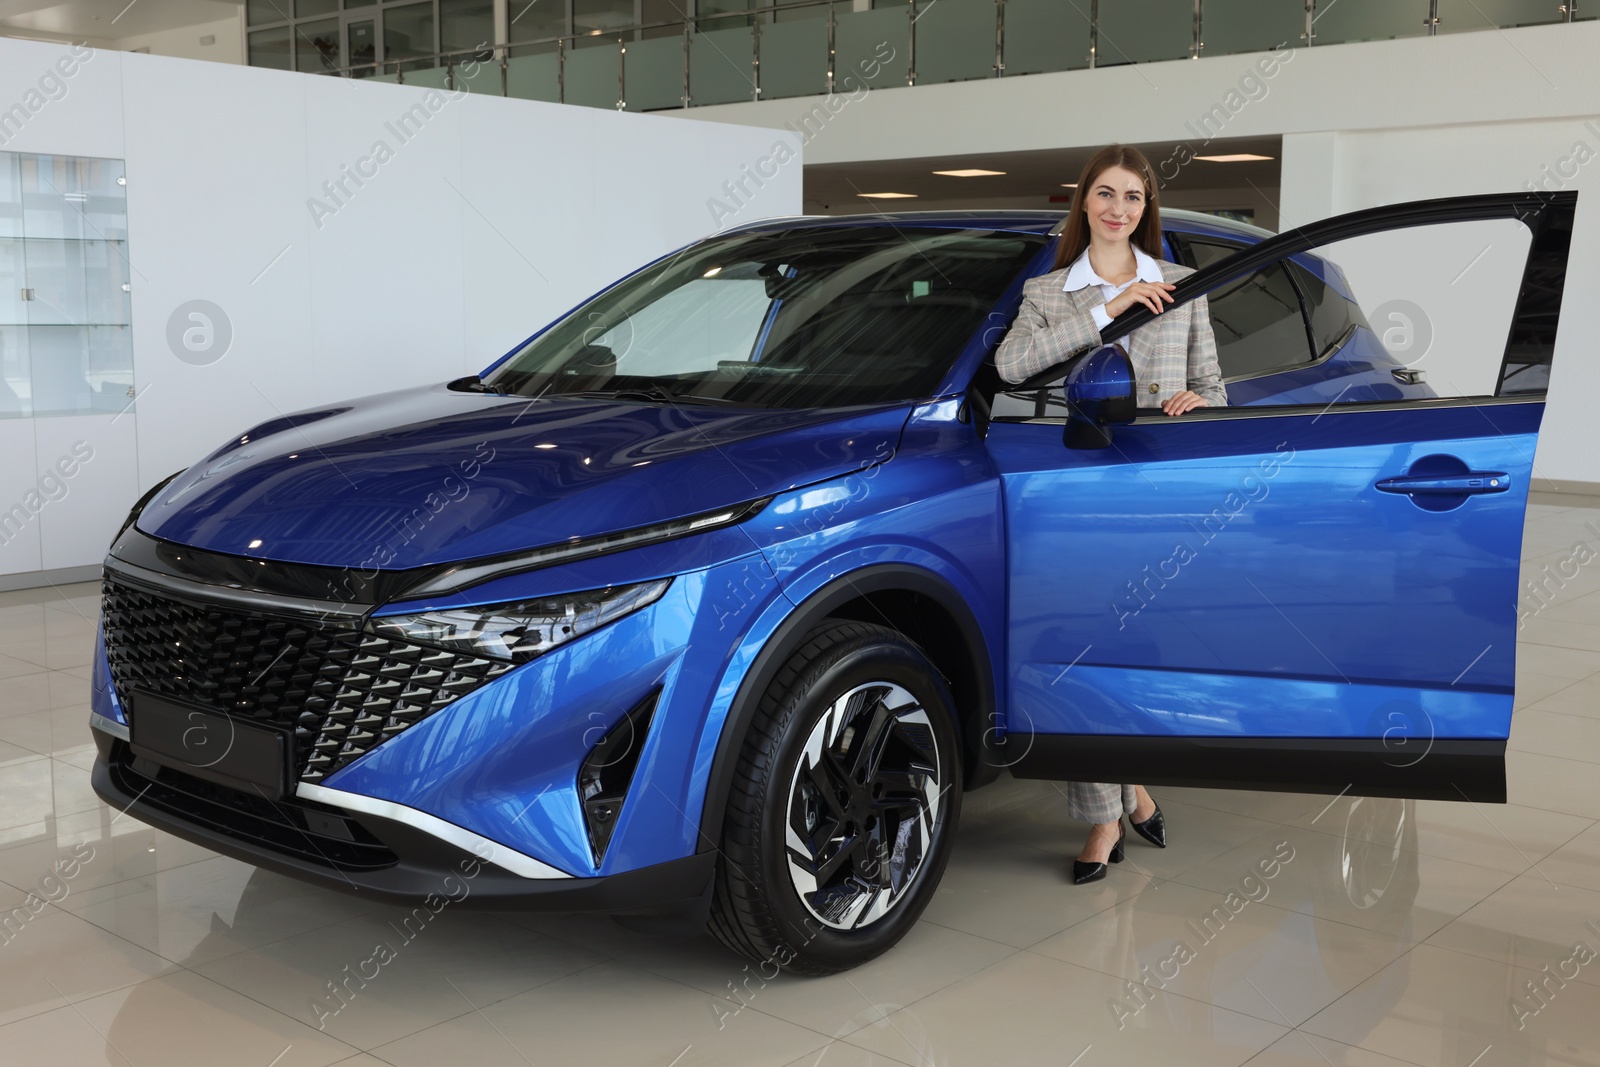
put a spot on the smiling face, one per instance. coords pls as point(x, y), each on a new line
point(1115, 204)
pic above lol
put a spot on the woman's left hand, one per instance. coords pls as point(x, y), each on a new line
point(1183, 401)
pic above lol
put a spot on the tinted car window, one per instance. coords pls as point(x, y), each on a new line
point(1256, 320)
point(791, 319)
point(1331, 314)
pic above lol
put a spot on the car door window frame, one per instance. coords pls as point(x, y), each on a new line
point(1548, 215)
point(1185, 244)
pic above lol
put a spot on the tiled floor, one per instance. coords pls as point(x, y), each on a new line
point(1391, 933)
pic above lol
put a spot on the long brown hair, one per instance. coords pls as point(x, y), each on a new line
point(1147, 235)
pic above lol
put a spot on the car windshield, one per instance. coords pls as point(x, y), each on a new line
point(785, 319)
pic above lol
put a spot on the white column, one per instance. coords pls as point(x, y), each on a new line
point(502, 25)
point(1309, 178)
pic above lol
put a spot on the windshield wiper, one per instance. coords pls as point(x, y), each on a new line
point(656, 394)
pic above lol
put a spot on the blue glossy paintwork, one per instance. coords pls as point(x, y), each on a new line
point(485, 759)
point(503, 760)
point(935, 506)
point(427, 475)
point(1105, 374)
point(1208, 549)
point(1141, 702)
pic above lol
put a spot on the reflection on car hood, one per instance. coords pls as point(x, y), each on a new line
point(424, 476)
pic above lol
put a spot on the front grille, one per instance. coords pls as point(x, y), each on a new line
point(340, 689)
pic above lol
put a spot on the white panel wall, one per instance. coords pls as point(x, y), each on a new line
point(489, 220)
point(22, 499)
point(93, 459)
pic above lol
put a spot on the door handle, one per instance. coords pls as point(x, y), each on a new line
point(1447, 484)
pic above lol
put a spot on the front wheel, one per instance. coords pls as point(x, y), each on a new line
point(844, 804)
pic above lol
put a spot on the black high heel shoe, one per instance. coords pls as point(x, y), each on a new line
point(1083, 871)
point(1153, 829)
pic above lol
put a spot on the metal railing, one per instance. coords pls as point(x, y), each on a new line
point(444, 69)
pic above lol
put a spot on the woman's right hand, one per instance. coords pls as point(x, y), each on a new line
point(1150, 294)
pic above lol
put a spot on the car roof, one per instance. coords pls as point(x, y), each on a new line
point(1025, 220)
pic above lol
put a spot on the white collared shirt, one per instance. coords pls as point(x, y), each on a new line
point(1081, 274)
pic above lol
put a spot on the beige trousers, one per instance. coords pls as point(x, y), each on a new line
point(1099, 802)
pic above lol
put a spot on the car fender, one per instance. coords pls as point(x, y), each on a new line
point(789, 634)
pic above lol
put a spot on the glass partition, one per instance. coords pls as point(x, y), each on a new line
point(408, 35)
point(427, 77)
point(533, 73)
point(721, 64)
point(870, 47)
point(794, 54)
point(270, 49)
point(1250, 26)
point(65, 312)
point(592, 75)
point(466, 24)
point(955, 40)
point(1146, 32)
point(1456, 16)
point(874, 43)
point(316, 47)
point(1369, 20)
point(1044, 35)
point(654, 70)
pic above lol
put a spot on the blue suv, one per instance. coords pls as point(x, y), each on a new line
point(715, 595)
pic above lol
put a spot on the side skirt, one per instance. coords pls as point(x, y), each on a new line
point(1441, 769)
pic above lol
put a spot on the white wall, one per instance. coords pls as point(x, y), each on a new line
point(493, 218)
point(1362, 124)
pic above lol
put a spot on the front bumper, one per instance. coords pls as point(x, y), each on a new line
point(368, 854)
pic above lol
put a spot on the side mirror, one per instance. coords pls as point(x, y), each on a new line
point(1099, 393)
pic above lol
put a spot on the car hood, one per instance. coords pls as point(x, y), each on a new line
point(426, 476)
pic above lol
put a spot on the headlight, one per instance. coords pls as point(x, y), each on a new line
point(523, 629)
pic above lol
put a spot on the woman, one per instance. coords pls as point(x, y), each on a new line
point(1109, 260)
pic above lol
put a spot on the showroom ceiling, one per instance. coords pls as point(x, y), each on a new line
point(836, 187)
point(108, 19)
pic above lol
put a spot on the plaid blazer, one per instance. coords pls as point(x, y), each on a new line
point(1174, 352)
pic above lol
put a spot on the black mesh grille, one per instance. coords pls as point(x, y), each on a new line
point(341, 690)
point(313, 832)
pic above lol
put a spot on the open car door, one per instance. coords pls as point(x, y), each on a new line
point(1306, 597)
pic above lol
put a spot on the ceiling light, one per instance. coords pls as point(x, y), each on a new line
point(889, 196)
point(1237, 157)
point(970, 172)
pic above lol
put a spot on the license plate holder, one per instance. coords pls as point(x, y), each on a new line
point(210, 745)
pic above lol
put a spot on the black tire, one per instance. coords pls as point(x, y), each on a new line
point(876, 822)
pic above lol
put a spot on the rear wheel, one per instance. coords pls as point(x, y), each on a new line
point(843, 806)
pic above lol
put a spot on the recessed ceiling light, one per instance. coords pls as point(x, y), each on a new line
point(970, 172)
point(1237, 157)
point(889, 196)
